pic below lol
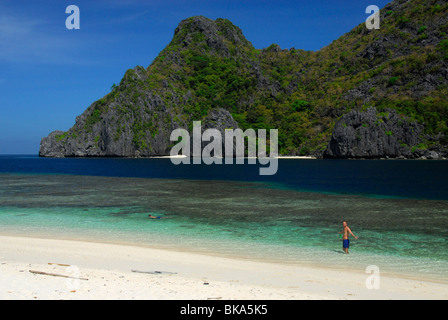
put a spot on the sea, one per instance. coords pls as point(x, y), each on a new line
point(398, 209)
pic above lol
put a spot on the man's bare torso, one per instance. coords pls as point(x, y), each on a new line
point(346, 231)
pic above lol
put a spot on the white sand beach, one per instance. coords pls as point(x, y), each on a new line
point(33, 268)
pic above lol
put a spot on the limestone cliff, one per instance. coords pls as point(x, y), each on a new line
point(369, 94)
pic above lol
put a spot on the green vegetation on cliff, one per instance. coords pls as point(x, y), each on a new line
point(402, 66)
point(210, 64)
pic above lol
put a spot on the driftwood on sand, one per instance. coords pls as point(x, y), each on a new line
point(56, 275)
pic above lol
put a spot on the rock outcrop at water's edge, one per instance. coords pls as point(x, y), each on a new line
point(100, 142)
point(371, 134)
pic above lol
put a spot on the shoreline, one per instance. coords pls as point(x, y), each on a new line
point(184, 275)
point(276, 157)
point(319, 265)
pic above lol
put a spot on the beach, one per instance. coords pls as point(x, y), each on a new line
point(34, 268)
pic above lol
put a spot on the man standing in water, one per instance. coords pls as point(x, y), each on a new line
point(345, 241)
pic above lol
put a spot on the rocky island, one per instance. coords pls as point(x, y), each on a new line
point(369, 94)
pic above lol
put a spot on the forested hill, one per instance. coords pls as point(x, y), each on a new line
point(369, 94)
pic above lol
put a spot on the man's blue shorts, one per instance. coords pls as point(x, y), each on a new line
point(345, 243)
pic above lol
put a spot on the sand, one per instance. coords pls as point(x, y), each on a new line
point(104, 271)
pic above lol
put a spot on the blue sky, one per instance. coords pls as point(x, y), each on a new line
point(49, 74)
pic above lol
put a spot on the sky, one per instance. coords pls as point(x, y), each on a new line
point(50, 74)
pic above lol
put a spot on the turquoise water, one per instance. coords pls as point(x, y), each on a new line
point(254, 220)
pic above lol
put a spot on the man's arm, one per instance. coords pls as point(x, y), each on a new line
point(350, 231)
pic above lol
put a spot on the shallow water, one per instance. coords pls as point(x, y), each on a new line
point(254, 220)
